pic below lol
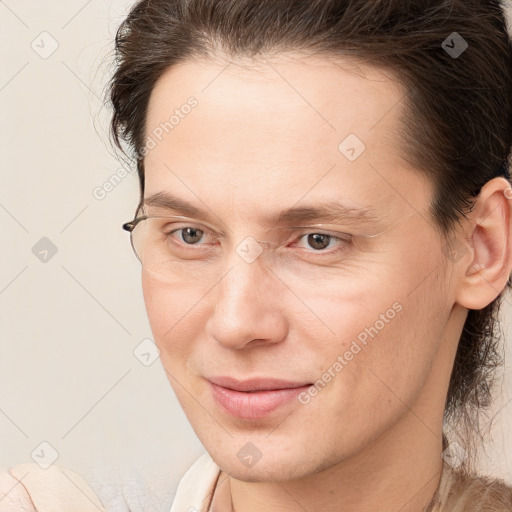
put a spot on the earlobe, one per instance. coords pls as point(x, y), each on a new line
point(485, 274)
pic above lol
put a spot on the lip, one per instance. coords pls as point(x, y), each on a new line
point(255, 398)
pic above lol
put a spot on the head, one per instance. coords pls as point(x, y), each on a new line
point(245, 110)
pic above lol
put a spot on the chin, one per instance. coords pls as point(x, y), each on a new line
point(271, 467)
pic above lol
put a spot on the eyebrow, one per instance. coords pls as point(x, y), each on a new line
point(327, 211)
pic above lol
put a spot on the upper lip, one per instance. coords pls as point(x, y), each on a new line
point(255, 384)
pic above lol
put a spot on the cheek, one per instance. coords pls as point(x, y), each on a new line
point(388, 324)
point(173, 316)
point(352, 307)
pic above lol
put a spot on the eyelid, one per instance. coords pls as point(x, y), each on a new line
point(341, 236)
point(319, 229)
point(325, 229)
point(187, 222)
point(359, 235)
point(308, 226)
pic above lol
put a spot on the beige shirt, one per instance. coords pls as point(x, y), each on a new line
point(29, 488)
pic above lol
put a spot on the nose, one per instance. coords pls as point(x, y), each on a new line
point(249, 306)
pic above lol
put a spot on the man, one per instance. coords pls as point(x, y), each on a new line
point(324, 206)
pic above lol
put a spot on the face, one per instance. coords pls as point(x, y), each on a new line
point(348, 316)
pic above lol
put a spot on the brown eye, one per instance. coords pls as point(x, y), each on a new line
point(318, 241)
point(323, 243)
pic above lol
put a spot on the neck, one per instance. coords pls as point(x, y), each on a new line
point(392, 475)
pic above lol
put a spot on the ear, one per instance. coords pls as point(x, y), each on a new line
point(486, 264)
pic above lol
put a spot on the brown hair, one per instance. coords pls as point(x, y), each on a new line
point(457, 127)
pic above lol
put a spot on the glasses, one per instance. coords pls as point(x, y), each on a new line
point(174, 249)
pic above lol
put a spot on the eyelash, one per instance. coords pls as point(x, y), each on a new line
point(345, 240)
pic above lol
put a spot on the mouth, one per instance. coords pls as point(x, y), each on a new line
point(256, 398)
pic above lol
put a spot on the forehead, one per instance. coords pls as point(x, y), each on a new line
point(281, 128)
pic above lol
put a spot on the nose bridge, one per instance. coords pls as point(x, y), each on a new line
point(250, 279)
point(245, 307)
point(243, 290)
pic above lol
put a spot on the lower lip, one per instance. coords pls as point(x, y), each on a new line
point(254, 405)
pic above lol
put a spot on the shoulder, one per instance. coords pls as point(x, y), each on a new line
point(13, 495)
point(197, 485)
point(30, 488)
point(475, 493)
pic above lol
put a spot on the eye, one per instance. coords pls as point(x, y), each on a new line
point(189, 235)
point(321, 241)
point(192, 238)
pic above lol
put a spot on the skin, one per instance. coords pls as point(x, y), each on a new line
point(264, 137)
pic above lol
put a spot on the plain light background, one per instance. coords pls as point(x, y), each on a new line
point(70, 326)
